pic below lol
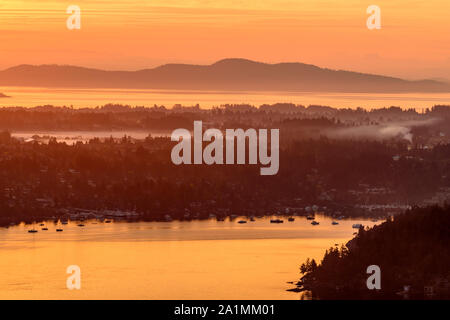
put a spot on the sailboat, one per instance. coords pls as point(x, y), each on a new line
point(32, 230)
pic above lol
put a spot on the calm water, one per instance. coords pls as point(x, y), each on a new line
point(30, 97)
point(156, 260)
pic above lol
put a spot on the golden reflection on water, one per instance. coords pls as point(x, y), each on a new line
point(78, 97)
point(154, 260)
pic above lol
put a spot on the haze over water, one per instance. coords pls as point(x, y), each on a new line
point(79, 98)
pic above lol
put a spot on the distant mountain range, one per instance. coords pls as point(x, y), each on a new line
point(227, 74)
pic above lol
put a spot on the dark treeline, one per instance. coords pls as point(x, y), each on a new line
point(39, 180)
point(412, 251)
point(122, 117)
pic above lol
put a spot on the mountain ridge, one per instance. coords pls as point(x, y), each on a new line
point(227, 74)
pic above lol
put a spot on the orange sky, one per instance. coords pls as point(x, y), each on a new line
point(414, 41)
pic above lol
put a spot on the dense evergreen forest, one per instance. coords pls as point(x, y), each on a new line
point(46, 179)
point(412, 251)
point(348, 162)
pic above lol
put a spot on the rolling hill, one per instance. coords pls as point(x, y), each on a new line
point(227, 74)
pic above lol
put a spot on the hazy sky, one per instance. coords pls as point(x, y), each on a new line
point(414, 41)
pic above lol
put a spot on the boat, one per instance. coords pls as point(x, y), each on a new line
point(41, 225)
point(276, 221)
point(357, 225)
point(334, 223)
point(32, 231)
point(291, 219)
point(107, 221)
point(44, 229)
point(314, 223)
point(242, 221)
point(59, 230)
point(81, 225)
point(309, 217)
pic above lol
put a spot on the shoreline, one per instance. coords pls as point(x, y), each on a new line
point(130, 217)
